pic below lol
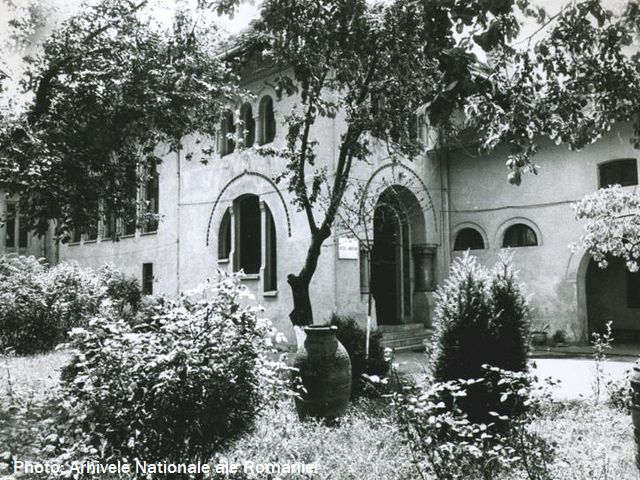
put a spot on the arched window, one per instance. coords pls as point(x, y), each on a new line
point(248, 125)
point(519, 235)
point(247, 239)
point(267, 121)
point(227, 133)
point(468, 239)
point(248, 233)
point(224, 237)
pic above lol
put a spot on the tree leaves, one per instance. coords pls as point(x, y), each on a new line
point(108, 89)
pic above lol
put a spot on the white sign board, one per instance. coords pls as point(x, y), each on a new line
point(348, 248)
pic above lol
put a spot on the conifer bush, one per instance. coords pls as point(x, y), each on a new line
point(481, 318)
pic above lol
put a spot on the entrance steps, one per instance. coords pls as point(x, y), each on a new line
point(409, 336)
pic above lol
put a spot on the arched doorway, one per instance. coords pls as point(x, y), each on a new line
point(613, 294)
point(398, 266)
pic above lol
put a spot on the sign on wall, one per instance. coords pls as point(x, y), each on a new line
point(348, 248)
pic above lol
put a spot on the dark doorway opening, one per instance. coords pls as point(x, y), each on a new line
point(391, 262)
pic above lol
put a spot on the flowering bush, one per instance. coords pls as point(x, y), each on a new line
point(612, 217)
point(38, 305)
point(189, 377)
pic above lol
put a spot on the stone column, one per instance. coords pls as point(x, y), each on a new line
point(424, 256)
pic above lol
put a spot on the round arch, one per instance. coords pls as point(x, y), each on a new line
point(234, 189)
point(399, 175)
point(461, 226)
point(497, 239)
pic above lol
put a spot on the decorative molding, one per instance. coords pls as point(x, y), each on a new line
point(426, 203)
point(238, 177)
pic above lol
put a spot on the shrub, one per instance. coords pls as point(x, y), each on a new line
point(39, 305)
point(124, 292)
point(481, 318)
point(446, 444)
point(620, 392)
point(354, 338)
point(509, 320)
point(462, 318)
point(25, 324)
point(175, 387)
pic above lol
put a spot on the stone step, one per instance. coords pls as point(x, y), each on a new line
point(417, 334)
point(406, 327)
point(403, 339)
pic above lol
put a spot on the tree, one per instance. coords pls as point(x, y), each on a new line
point(376, 64)
point(612, 226)
point(107, 88)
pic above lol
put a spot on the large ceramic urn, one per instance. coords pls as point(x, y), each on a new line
point(635, 408)
point(324, 368)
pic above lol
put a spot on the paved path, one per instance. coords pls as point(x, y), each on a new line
point(576, 375)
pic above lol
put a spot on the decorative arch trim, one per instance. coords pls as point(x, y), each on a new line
point(497, 240)
point(425, 200)
point(235, 179)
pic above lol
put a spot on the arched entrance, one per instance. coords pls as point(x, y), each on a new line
point(401, 262)
point(613, 294)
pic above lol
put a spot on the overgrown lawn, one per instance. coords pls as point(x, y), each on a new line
point(593, 441)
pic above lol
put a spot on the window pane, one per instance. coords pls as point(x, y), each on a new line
point(224, 237)
point(468, 239)
point(151, 199)
point(109, 225)
point(271, 270)
point(147, 278)
point(621, 172)
point(76, 235)
point(249, 126)
point(519, 235)
point(268, 120)
point(92, 232)
point(10, 226)
point(249, 241)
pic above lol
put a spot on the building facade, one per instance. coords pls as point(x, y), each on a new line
point(231, 215)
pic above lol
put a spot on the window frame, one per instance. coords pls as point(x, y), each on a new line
point(16, 226)
point(230, 229)
point(617, 162)
point(471, 229)
point(527, 227)
point(267, 117)
point(227, 133)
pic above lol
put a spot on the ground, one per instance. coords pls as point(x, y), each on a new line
point(594, 441)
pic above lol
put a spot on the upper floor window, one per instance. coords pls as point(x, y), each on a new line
point(622, 172)
point(76, 235)
point(248, 126)
point(468, 239)
point(227, 133)
point(109, 224)
point(151, 198)
point(519, 235)
point(267, 121)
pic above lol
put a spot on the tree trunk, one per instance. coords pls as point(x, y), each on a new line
point(302, 313)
